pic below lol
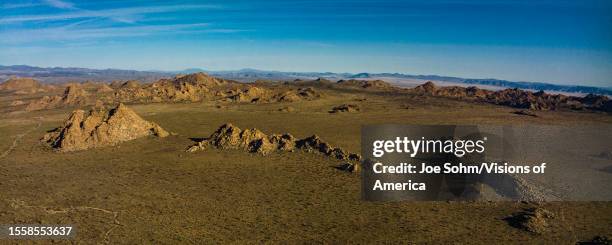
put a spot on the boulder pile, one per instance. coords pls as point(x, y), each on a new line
point(100, 127)
point(253, 140)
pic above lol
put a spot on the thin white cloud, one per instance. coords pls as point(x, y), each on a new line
point(59, 4)
point(71, 34)
point(19, 5)
point(118, 14)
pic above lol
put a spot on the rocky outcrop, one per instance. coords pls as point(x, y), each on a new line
point(300, 94)
point(315, 144)
point(599, 102)
point(99, 127)
point(319, 82)
point(15, 83)
point(525, 113)
point(131, 84)
point(534, 220)
point(116, 84)
point(104, 88)
point(251, 94)
point(365, 84)
point(182, 88)
point(73, 95)
point(597, 240)
point(517, 98)
point(254, 94)
point(21, 86)
point(428, 88)
point(197, 79)
point(345, 108)
point(229, 136)
point(287, 109)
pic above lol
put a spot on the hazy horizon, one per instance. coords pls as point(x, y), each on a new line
point(560, 42)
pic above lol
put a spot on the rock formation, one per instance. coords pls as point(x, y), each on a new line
point(250, 95)
point(300, 94)
point(182, 88)
point(597, 240)
point(99, 127)
point(21, 86)
point(525, 113)
point(131, 84)
point(229, 136)
point(73, 95)
point(534, 220)
point(104, 88)
point(345, 108)
point(366, 84)
point(254, 94)
point(517, 98)
point(287, 109)
point(15, 83)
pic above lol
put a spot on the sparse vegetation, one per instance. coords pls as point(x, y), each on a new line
point(230, 195)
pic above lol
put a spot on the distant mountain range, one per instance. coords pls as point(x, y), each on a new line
point(62, 74)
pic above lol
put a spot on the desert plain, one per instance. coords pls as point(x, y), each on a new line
point(151, 190)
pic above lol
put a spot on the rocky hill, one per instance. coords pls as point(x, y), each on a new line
point(518, 98)
point(367, 84)
point(73, 95)
point(100, 127)
point(25, 85)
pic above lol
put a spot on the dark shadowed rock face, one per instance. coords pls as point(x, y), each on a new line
point(525, 113)
point(597, 240)
point(534, 220)
point(345, 108)
point(99, 127)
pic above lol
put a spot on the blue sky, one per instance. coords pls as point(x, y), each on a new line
point(565, 42)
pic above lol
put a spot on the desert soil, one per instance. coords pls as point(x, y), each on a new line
point(151, 191)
